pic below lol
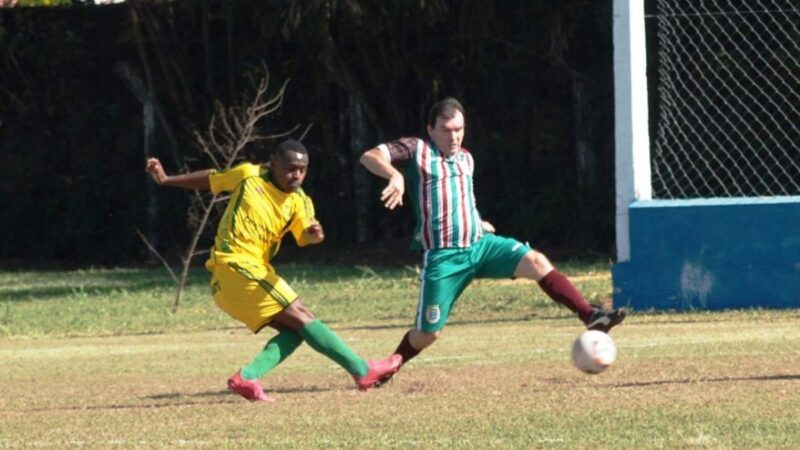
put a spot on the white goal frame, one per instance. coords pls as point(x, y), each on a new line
point(632, 136)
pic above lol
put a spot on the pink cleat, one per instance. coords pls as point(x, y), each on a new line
point(249, 389)
point(381, 369)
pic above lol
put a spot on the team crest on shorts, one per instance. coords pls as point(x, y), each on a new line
point(432, 314)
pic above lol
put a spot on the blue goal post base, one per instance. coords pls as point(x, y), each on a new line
point(711, 254)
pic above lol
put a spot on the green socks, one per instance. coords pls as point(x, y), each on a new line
point(323, 340)
point(319, 337)
point(276, 350)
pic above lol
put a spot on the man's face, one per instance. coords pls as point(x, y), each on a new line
point(289, 170)
point(448, 134)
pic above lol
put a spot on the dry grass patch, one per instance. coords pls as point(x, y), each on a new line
point(721, 383)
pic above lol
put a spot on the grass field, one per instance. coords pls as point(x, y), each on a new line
point(94, 359)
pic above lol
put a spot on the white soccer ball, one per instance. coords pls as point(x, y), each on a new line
point(593, 351)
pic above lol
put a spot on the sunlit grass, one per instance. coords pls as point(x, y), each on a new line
point(124, 301)
point(94, 359)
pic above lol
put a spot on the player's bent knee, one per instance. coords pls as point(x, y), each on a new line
point(539, 263)
point(534, 265)
point(295, 316)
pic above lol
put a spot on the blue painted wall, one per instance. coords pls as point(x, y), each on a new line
point(712, 254)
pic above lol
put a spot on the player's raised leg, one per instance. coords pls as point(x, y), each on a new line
point(535, 266)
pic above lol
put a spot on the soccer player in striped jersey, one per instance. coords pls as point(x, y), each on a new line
point(457, 244)
point(266, 203)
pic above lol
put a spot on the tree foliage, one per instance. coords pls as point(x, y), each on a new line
point(535, 77)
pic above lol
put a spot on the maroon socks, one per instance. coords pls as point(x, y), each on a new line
point(554, 284)
point(405, 349)
point(558, 287)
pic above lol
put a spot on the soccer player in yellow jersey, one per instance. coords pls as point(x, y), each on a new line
point(267, 202)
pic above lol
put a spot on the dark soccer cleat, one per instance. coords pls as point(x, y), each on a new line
point(249, 389)
point(381, 369)
point(605, 319)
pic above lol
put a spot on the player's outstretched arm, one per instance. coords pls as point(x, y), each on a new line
point(192, 180)
point(375, 162)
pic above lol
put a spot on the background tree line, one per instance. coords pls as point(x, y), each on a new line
point(87, 92)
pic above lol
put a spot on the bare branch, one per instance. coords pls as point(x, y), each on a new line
point(206, 146)
point(230, 129)
point(158, 255)
point(277, 101)
point(278, 135)
point(190, 252)
point(305, 132)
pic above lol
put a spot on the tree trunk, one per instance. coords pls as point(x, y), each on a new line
point(149, 123)
point(205, 15)
point(137, 87)
point(362, 178)
point(584, 152)
point(231, 47)
point(586, 157)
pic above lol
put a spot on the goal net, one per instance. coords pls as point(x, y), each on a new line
point(724, 81)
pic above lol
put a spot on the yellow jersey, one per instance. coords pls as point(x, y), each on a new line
point(258, 215)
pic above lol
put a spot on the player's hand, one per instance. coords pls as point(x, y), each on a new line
point(392, 195)
point(156, 170)
point(315, 233)
point(488, 227)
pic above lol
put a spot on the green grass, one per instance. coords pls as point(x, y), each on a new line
point(102, 302)
point(94, 359)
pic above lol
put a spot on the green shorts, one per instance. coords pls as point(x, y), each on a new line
point(447, 272)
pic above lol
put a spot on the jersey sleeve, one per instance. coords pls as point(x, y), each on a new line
point(228, 180)
point(302, 218)
point(400, 150)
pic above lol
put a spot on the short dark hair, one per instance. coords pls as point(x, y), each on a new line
point(446, 108)
point(289, 145)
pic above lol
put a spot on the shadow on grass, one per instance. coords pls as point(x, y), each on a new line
point(706, 380)
point(99, 284)
point(227, 393)
point(220, 401)
point(651, 317)
point(569, 321)
point(172, 400)
point(49, 293)
point(46, 285)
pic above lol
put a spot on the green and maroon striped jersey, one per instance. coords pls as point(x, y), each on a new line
point(441, 191)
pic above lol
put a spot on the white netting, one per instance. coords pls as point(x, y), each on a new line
point(727, 108)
